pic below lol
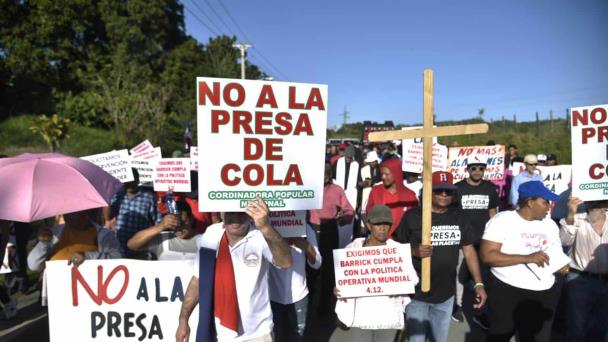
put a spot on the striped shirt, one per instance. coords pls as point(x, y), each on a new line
point(586, 253)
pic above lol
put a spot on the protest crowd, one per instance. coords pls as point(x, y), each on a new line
point(491, 241)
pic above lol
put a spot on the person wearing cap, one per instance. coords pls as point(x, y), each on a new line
point(375, 318)
point(530, 174)
point(520, 299)
point(542, 159)
point(586, 287)
point(346, 172)
point(392, 192)
point(551, 159)
point(479, 199)
point(450, 232)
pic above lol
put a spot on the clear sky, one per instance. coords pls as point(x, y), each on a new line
point(508, 57)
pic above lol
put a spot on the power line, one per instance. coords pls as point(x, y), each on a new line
point(200, 21)
point(238, 27)
point(206, 16)
point(219, 17)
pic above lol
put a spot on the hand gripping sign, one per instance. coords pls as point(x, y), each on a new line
point(259, 138)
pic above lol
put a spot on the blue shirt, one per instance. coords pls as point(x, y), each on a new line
point(520, 179)
point(132, 215)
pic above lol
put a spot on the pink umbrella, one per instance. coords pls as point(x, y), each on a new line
point(34, 186)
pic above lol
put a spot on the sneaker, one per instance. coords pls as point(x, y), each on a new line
point(457, 315)
point(10, 309)
point(481, 321)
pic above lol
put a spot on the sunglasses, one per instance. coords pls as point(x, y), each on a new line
point(475, 168)
point(531, 164)
point(444, 192)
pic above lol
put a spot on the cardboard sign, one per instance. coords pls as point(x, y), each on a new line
point(142, 147)
point(374, 271)
point(589, 132)
point(276, 134)
point(493, 155)
point(413, 151)
point(194, 158)
point(289, 223)
point(145, 168)
point(172, 174)
point(117, 300)
point(116, 163)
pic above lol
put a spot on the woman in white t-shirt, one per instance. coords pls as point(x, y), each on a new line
point(378, 318)
point(524, 250)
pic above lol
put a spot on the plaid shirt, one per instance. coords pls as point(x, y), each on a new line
point(132, 215)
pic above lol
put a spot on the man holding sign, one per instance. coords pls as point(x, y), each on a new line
point(450, 232)
point(241, 310)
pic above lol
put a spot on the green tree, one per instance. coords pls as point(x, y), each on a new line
point(52, 129)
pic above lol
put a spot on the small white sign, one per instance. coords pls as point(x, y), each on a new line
point(494, 156)
point(145, 168)
point(172, 174)
point(116, 163)
point(142, 147)
point(290, 223)
point(374, 271)
point(194, 158)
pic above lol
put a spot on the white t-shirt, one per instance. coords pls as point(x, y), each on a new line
point(251, 259)
point(288, 285)
point(523, 237)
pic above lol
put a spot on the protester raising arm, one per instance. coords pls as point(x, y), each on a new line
point(281, 253)
point(141, 239)
point(188, 305)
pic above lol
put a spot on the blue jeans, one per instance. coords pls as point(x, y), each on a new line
point(289, 320)
point(428, 319)
point(586, 308)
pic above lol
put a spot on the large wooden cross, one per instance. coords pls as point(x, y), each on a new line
point(427, 132)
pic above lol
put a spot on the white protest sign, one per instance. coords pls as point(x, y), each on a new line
point(172, 174)
point(142, 147)
point(374, 271)
point(153, 154)
point(194, 158)
point(276, 134)
point(145, 168)
point(413, 150)
point(493, 155)
point(289, 223)
point(556, 178)
point(117, 300)
point(116, 163)
point(589, 132)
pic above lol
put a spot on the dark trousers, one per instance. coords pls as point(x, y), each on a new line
point(324, 280)
point(527, 312)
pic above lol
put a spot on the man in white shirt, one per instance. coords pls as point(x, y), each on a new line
point(288, 289)
point(251, 253)
point(586, 287)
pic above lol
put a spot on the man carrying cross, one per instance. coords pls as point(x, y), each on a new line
point(450, 232)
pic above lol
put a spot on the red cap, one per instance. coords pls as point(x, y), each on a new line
point(443, 180)
point(342, 146)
